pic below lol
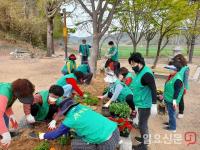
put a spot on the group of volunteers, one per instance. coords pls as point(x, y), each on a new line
point(93, 130)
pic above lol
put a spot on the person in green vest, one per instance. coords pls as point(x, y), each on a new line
point(144, 92)
point(94, 131)
point(126, 77)
point(173, 91)
point(117, 91)
point(84, 51)
point(85, 69)
point(69, 83)
point(184, 72)
point(70, 65)
point(112, 58)
point(21, 89)
point(45, 106)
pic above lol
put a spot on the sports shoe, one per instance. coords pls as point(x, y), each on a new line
point(139, 139)
point(180, 116)
point(166, 123)
point(172, 130)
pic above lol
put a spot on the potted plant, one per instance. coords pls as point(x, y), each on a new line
point(124, 126)
point(121, 110)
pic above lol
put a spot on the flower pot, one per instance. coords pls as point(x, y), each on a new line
point(105, 112)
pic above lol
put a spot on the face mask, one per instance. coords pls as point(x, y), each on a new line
point(136, 69)
point(52, 100)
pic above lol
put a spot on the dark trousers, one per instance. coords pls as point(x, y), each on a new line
point(52, 110)
point(88, 77)
point(144, 114)
point(84, 60)
point(181, 105)
point(129, 100)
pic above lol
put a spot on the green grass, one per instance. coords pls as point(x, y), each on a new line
point(125, 50)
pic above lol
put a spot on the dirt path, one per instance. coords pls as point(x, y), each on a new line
point(44, 72)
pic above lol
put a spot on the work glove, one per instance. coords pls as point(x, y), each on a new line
point(52, 125)
point(13, 121)
point(174, 104)
point(41, 136)
point(154, 109)
point(85, 96)
point(107, 104)
point(30, 118)
point(80, 54)
point(88, 58)
point(100, 97)
point(6, 139)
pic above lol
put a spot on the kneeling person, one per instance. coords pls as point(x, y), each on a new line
point(94, 131)
point(118, 91)
point(85, 69)
point(45, 106)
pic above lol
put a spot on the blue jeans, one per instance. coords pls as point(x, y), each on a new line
point(172, 116)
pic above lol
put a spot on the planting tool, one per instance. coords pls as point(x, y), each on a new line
point(33, 135)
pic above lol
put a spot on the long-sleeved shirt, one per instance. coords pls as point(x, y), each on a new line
point(177, 86)
point(4, 110)
point(74, 85)
point(61, 130)
point(116, 93)
point(148, 80)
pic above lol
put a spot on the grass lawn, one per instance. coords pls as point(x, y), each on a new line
point(125, 50)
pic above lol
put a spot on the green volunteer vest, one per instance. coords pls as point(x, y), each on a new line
point(142, 94)
point(182, 73)
point(84, 49)
point(114, 57)
point(89, 125)
point(83, 68)
point(62, 80)
point(124, 92)
point(169, 89)
point(130, 75)
point(6, 90)
point(44, 108)
point(72, 66)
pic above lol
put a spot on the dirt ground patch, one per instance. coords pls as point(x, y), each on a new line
point(44, 72)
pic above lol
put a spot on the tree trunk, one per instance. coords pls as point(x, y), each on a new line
point(147, 48)
point(188, 47)
point(191, 51)
point(158, 53)
point(49, 37)
point(134, 47)
point(94, 53)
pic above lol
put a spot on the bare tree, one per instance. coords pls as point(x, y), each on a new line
point(149, 35)
point(101, 13)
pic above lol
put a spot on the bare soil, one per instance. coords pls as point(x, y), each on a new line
point(44, 72)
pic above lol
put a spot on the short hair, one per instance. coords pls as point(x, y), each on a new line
point(56, 90)
point(23, 88)
point(180, 58)
point(84, 40)
point(110, 43)
point(123, 71)
point(136, 57)
point(79, 75)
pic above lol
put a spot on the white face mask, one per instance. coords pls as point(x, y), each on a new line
point(52, 99)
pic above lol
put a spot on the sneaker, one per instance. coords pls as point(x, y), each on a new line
point(166, 123)
point(172, 130)
point(139, 147)
point(139, 139)
point(180, 116)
